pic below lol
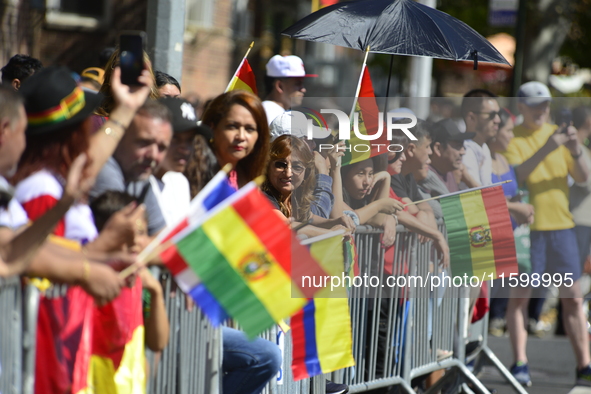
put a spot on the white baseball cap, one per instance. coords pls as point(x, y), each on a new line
point(286, 66)
point(533, 93)
point(289, 123)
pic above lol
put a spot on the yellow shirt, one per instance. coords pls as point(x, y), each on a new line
point(547, 184)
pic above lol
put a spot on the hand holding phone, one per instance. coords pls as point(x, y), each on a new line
point(565, 117)
point(131, 56)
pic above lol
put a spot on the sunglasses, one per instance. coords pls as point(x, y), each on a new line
point(491, 115)
point(296, 169)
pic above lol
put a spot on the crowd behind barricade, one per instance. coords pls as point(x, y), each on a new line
point(108, 167)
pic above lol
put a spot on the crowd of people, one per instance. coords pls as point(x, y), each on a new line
point(110, 166)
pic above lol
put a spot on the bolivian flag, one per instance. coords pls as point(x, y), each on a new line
point(366, 109)
point(243, 79)
point(241, 251)
point(480, 235)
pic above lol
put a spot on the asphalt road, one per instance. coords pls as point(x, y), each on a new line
point(552, 366)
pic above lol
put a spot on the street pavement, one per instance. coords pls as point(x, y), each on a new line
point(552, 366)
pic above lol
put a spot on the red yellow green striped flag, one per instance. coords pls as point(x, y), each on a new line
point(367, 110)
point(243, 79)
point(479, 233)
point(242, 251)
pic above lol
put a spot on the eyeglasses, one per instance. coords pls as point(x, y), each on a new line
point(491, 115)
point(296, 169)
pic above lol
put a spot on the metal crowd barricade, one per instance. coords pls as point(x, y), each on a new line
point(438, 316)
point(191, 363)
point(11, 340)
point(18, 328)
point(399, 333)
point(403, 332)
point(378, 316)
point(284, 383)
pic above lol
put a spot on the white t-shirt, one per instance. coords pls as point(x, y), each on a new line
point(175, 198)
point(272, 110)
point(40, 191)
point(13, 216)
point(478, 162)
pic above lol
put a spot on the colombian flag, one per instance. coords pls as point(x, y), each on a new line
point(243, 79)
point(366, 109)
point(480, 235)
point(321, 331)
point(241, 252)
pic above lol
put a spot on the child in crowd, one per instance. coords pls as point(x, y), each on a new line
point(155, 320)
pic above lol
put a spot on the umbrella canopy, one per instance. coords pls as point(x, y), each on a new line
point(401, 27)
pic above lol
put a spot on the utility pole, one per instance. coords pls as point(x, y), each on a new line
point(519, 47)
point(165, 28)
point(421, 71)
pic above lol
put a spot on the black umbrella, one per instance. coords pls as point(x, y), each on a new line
point(401, 27)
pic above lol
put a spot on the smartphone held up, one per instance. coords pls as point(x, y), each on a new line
point(131, 58)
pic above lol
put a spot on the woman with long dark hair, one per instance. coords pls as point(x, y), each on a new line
point(241, 139)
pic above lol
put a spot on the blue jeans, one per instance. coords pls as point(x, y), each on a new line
point(247, 365)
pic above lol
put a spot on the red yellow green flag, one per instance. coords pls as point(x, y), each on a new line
point(479, 233)
point(242, 251)
point(368, 122)
point(243, 79)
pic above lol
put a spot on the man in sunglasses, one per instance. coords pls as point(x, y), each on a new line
point(284, 84)
point(480, 111)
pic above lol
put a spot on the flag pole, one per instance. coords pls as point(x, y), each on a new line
point(141, 263)
point(456, 193)
point(164, 233)
point(358, 90)
point(239, 66)
point(157, 246)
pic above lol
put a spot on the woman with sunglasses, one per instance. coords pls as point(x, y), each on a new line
point(290, 183)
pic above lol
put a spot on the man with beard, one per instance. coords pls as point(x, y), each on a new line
point(140, 151)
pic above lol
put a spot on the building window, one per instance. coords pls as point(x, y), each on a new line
point(199, 13)
point(79, 14)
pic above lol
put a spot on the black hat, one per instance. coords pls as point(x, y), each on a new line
point(53, 100)
point(447, 130)
point(184, 117)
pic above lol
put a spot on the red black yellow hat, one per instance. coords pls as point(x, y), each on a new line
point(53, 100)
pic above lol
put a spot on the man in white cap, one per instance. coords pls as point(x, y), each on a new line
point(544, 155)
point(284, 84)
